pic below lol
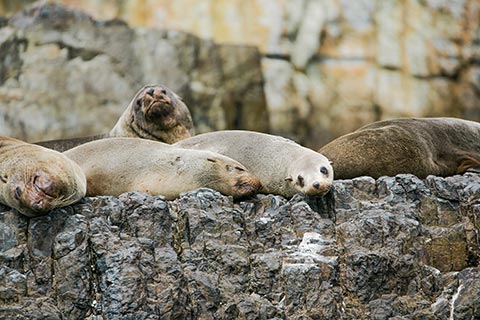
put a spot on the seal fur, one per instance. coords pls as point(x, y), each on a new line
point(35, 180)
point(419, 146)
point(117, 165)
point(283, 166)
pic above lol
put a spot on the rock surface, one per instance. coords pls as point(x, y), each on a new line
point(63, 74)
point(392, 248)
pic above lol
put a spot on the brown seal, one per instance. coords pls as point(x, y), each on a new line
point(35, 180)
point(117, 165)
point(155, 113)
point(283, 166)
point(420, 146)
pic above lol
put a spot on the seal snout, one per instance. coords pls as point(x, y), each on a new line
point(318, 188)
point(38, 194)
point(246, 186)
point(157, 102)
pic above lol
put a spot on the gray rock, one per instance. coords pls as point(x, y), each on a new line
point(393, 248)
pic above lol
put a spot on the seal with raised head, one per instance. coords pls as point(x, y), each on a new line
point(283, 166)
point(117, 165)
point(154, 113)
point(420, 146)
point(35, 180)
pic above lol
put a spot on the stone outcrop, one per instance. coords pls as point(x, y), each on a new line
point(331, 66)
point(392, 248)
point(64, 74)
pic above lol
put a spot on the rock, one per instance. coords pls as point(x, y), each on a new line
point(417, 55)
point(393, 248)
point(64, 74)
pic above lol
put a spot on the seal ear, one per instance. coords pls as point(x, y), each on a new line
point(289, 179)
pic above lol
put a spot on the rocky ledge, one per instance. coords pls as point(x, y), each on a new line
point(392, 248)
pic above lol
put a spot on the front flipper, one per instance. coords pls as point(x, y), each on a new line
point(468, 162)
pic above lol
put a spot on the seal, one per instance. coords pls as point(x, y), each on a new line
point(35, 180)
point(117, 165)
point(154, 113)
point(283, 166)
point(419, 146)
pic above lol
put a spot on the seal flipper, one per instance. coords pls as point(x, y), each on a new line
point(474, 170)
point(468, 162)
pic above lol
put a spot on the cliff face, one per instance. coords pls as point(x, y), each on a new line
point(331, 66)
point(310, 70)
point(392, 248)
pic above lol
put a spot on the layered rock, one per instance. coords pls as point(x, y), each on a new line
point(396, 247)
point(63, 74)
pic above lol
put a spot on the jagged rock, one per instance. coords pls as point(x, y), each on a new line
point(393, 248)
point(64, 74)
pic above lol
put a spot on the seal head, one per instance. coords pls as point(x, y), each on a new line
point(155, 113)
point(230, 177)
point(310, 176)
point(35, 180)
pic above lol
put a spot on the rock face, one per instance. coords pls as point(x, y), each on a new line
point(331, 66)
point(63, 74)
point(310, 70)
point(392, 248)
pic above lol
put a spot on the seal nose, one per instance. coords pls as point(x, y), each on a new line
point(150, 92)
point(38, 206)
point(316, 184)
point(18, 193)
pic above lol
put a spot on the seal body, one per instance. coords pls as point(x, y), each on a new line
point(117, 165)
point(420, 146)
point(35, 180)
point(283, 166)
point(154, 113)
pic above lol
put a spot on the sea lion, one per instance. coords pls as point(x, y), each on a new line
point(117, 165)
point(35, 180)
point(283, 166)
point(155, 113)
point(420, 146)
